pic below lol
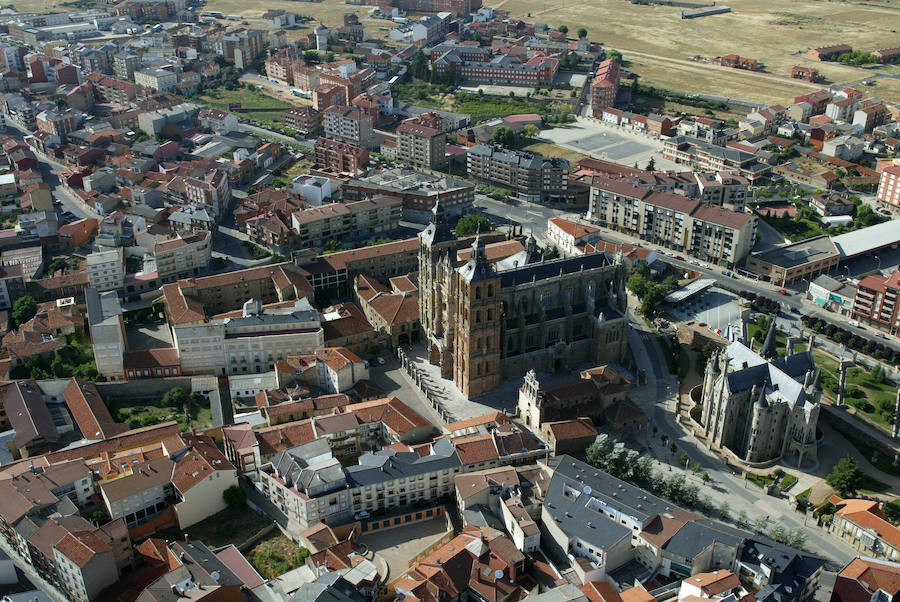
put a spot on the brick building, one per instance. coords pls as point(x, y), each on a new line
point(334, 156)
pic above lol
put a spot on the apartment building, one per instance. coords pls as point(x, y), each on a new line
point(889, 188)
point(104, 313)
point(56, 123)
point(422, 142)
point(349, 124)
point(309, 485)
point(419, 191)
point(315, 226)
point(702, 155)
point(342, 158)
point(875, 303)
point(705, 231)
point(106, 269)
point(531, 176)
point(604, 87)
point(183, 256)
point(864, 525)
point(157, 79)
point(827, 53)
point(302, 119)
point(242, 321)
point(470, 65)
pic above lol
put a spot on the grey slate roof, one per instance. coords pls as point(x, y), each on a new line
point(782, 378)
point(696, 536)
point(330, 587)
point(551, 269)
point(523, 159)
point(387, 464)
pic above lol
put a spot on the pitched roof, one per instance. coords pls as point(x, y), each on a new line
point(390, 411)
point(90, 412)
point(576, 428)
point(476, 449)
point(868, 515)
point(81, 547)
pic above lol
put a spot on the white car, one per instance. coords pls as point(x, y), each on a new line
point(380, 361)
point(669, 254)
point(361, 515)
point(694, 262)
point(704, 266)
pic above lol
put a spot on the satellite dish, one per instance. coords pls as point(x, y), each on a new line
point(215, 576)
point(587, 490)
point(498, 574)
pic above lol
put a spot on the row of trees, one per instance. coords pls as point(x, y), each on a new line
point(760, 301)
point(613, 457)
point(852, 340)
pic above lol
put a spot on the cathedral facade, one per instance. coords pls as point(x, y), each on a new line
point(483, 323)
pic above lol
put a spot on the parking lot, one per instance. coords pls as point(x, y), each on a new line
point(399, 544)
point(608, 143)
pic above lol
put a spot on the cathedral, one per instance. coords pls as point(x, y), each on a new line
point(759, 406)
point(485, 322)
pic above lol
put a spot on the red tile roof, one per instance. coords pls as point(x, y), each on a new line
point(90, 412)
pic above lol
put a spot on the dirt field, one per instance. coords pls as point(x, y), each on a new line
point(768, 31)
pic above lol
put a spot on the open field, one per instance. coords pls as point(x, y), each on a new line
point(548, 149)
point(257, 99)
point(767, 31)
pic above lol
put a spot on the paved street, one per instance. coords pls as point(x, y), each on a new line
point(531, 216)
point(657, 400)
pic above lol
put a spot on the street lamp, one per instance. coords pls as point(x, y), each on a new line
point(877, 258)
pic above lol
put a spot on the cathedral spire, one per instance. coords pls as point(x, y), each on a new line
point(438, 230)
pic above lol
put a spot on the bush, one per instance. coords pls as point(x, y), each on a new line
point(235, 496)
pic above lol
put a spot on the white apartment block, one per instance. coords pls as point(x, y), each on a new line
point(889, 187)
point(106, 270)
point(158, 79)
point(107, 333)
point(249, 343)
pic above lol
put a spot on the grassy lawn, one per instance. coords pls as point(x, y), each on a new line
point(256, 252)
point(230, 526)
point(787, 481)
point(256, 99)
point(872, 485)
point(478, 106)
point(754, 333)
point(276, 555)
point(882, 462)
point(137, 413)
point(763, 480)
point(796, 228)
point(548, 149)
point(872, 400)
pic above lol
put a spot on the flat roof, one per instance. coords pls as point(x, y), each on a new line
point(860, 242)
point(692, 288)
point(799, 253)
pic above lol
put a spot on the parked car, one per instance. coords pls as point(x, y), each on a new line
point(380, 361)
point(679, 258)
point(853, 323)
point(782, 291)
point(363, 514)
point(705, 266)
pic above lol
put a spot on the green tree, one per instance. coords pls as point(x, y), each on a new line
point(705, 477)
point(531, 130)
point(892, 511)
point(59, 368)
point(235, 496)
point(651, 164)
point(99, 517)
point(582, 32)
point(174, 398)
point(684, 458)
point(614, 55)
point(333, 246)
point(696, 467)
point(24, 309)
point(504, 136)
point(638, 285)
point(469, 225)
point(724, 510)
point(418, 65)
point(564, 28)
point(310, 56)
point(845, 477)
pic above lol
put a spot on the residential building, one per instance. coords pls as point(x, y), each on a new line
point(604, 87)
point(157, 79)
point(339, 369)
point(704, 156)
point(218, 121)
point(56, 123)
point(590, 396)
point(888, 55)
point(242, 321)
point(340, 158)
point(586, 292)
point(709, 232)
point(302, 119)
point(458, 8)
point(864, 525)
point(735, 61)
point(865, 579)
point(104, 313)
point(315, 189)
point(421, 141)
point(468, 63)
point(876, 304)
point(889, 187)
point(797, 261)
point(394, 315)
point(531, 176)
point(760, 408)
point(196, 573)
point(827, 53)
point(808, 74)
point(832, 294)
point(315, 226)
point(106, 269)
point(183, 256)
point(349, 124)
point(419, 191)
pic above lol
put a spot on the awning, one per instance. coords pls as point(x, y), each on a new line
point(821, 302)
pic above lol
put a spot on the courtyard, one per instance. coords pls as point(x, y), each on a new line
point(608, 143)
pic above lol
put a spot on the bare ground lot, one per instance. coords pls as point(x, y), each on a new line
point(768, 31)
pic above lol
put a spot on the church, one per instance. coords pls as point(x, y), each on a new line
point(484, 323)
